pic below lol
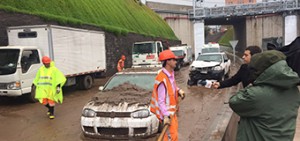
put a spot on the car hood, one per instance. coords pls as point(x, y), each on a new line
point(124, 98)
point(203, 64)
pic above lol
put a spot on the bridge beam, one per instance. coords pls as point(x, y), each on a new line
point(198, 36)
point(290, 28)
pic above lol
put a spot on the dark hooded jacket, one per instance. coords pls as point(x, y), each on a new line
point(268, 108)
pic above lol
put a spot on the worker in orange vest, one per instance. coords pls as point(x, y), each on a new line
point(166, 95)
point(121, 62)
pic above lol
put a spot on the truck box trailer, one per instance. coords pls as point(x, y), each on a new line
point(184, 55)
point(78, 53)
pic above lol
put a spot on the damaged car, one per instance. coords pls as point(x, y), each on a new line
point(209, 66)
point(121, 110)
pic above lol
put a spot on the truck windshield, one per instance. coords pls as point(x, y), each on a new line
point(210, 50)
point(178, 52)
point(210, 58)
point(143, 48)
point(8, 61)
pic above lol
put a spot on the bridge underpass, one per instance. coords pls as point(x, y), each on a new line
point(254, 24)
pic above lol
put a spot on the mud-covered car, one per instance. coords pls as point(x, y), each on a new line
point(121, 110)
point(212, 66)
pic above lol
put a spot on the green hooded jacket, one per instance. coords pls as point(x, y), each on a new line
point(47, 88)
point(268, 109)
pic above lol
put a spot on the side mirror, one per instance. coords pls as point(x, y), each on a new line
point(101, 88)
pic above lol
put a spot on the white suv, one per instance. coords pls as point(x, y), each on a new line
point(214, 66)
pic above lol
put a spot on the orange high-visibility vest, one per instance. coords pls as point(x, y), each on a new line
point(120, 65)
point(171, 96)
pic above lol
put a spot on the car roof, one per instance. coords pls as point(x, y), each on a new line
point(141, 70)
point(219, 53)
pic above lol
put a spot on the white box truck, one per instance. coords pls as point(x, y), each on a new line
point(145, 54)
point(184, 55)
point(78, 53)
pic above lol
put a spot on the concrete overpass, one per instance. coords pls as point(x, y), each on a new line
point(254, 24)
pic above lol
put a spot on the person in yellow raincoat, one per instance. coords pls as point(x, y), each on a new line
point(48, 83)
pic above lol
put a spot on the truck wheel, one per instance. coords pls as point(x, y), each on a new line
point(86, 82)
point(31, 95)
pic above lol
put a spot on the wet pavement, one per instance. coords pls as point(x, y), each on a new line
point(23, 121)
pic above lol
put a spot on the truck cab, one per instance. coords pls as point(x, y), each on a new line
point(145, 54)
point(18, 67)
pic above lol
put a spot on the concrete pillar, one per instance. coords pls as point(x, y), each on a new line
point(290, 28)
point(198, 37)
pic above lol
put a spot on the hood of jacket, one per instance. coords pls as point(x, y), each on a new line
point(278, 75)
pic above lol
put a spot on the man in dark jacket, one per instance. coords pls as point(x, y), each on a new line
point(268, 108)
point(243, 72)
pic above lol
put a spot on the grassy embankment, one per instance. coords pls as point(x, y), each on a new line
point(116, 16)
point(224, 41)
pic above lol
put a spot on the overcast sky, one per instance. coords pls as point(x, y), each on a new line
point(206, 3)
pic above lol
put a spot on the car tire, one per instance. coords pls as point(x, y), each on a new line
point(228, 73)
point(190, 82)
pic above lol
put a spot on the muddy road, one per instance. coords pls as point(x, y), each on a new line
point(23, 121)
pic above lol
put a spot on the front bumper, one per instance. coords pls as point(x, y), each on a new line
point(119, 127)
point(197, 75)
point(5, 92)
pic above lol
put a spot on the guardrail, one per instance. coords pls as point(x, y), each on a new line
point(244, 9)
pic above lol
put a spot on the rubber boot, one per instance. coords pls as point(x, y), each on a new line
point(47, 105)
point(51, 115)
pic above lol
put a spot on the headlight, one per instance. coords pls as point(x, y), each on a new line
point(13, 85)
point(88, 113)
point(192, 68)
point(217, 68)
point(140, 114)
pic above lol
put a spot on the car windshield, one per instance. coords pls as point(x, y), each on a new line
point(178, 52)
point(210, 57)
point(143, 48)
point(210, 50)
point(8, 61)
point(145, 81)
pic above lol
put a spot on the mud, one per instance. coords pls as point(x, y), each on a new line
point(126, 92)
point(23, 121)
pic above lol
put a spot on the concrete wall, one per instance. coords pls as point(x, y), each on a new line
point(240, 35)
point(262, 27)
point(180, 24)
point(298, 25)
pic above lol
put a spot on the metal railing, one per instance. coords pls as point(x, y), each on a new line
point(244, 9)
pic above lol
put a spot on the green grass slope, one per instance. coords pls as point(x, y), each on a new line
point(117, 16)
point(227, 37)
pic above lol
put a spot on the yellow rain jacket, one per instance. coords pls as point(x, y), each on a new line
point(46, 81)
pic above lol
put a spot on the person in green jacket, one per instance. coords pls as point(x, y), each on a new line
point(48, 83)
point(268, 108)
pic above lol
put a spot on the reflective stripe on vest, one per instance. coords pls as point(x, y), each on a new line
point(45, 80)
point(171, 97)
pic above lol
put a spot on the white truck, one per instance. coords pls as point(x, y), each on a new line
point(78, 53)
point(184, 55)
point(145, 54)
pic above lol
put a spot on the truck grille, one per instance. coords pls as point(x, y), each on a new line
point(3, 86)
point(114, 114)
point(204, 70)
